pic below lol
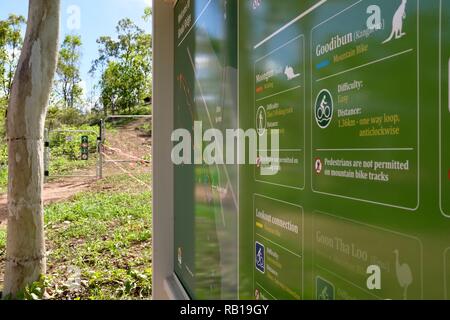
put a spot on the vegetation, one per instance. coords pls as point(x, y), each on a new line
point(99, 244)
point(3, 167)
point(124, 70)
point(2, 240)
point(10, 44)
point(67, 84)
point(125, 66)
point(65, 155)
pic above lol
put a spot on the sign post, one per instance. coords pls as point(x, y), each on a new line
point(46, 155)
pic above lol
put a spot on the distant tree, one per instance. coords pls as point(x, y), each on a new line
point(10, 44)
point(147, 14)
point(125, 66)
point(67, 83)
point(25, 248)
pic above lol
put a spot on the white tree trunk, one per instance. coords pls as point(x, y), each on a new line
point(25, 253)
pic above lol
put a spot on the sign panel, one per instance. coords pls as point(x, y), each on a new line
point(358, 113)
point(364, 130)
point(444, 110)
point(358, 206)
point(278, 235)
point(279, 87)
point(343, 249)
point(205, 251)
point(447, 273)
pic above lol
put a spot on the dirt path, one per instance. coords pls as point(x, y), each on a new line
point(54, 191)
point(126, 142)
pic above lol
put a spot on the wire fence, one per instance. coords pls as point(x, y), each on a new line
point(101, 146)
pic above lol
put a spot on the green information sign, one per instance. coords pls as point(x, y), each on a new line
point(279, 86)
point(367, 202)
point(369, 148)
point(278, 228)
point(205, 252)
point(447, 273)
point(343, 249)
point(444, 110)
point(444, 128)
point(358, 205)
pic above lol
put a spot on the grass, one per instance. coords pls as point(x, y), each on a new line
point(98, 244)
point(2, 240)
point(61, 166)
point(64, 155)
point(146, 128)
point(3, 178)
point(65, 149)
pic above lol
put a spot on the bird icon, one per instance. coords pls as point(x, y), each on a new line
point(404, 274)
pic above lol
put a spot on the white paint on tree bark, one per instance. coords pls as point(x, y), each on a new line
point(25, 253)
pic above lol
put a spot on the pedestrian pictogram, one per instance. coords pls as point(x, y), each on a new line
point(261, 120)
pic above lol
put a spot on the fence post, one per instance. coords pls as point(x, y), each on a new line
point(100, 142)
point(46, 155)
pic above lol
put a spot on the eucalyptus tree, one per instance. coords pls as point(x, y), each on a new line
point(68, 79)
point(124, 64)
point(11, 41)
point(25, 249)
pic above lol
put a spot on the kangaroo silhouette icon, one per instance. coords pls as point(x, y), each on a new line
point(397, 22)
point(290, 73)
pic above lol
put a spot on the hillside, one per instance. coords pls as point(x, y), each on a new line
point(99, 213)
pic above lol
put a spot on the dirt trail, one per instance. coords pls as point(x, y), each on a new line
point(127, 142)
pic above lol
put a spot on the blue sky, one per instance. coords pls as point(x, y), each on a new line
point(97, 18)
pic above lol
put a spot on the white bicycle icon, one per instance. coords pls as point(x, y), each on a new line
point(324, 110)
